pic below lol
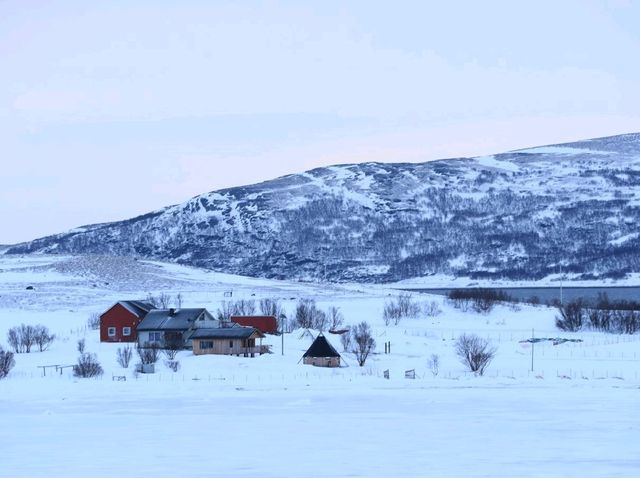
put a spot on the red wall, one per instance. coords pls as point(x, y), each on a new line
point(265, 324)
point(118, 316)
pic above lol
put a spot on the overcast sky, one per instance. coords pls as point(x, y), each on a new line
point(113, 109)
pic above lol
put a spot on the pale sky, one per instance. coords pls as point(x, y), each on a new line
point(113, 109)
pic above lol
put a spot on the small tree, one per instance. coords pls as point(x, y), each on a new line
point(87, 366)
point(226, 310)
point(21, 338)
point(93, 322)
point(270, 307)
point(149, 354)
point(27, 337)
point(345, 340)
point(244, 307)
point(432, 309)
point(434, 364)
point(572, 316)
point(474, 352)
point(13, 337)
point(7, 362)
point(403, 306)
point(362, 342)
point(335, 318)
point(172, 344)
point(308, 316)
point(42, 337)
point(124, 356)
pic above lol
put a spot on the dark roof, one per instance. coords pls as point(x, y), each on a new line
point(137, 307)
point(321, 348)
point(226, 333)
point(170, 319)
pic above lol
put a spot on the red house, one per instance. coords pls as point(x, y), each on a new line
point(120, 321)
point(267, 324)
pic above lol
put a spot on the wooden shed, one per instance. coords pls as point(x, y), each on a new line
point(228, 341)
point(321, 354)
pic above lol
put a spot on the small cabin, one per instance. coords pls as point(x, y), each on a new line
point(228, 341)
point(321, 354)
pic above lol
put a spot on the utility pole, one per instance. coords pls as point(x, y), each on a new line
point(532, 346)
point(282, 319)
point(560, 284)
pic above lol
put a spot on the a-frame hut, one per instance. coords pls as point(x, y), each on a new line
point(321, 354)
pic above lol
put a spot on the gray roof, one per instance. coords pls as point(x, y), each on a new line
point(137, 307)
point(226, 333)
point(170, 319)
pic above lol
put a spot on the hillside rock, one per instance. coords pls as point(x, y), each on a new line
point(518, 215)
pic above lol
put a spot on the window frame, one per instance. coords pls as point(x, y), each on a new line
point(126, 331)
point(111, 331)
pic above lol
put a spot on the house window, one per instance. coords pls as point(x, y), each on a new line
point(206, 344)
point(155, 336)
point(111, 331)
point(126, 331)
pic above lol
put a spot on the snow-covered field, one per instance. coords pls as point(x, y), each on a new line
point(575, 414)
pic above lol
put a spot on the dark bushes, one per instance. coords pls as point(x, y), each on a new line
point(482, 300)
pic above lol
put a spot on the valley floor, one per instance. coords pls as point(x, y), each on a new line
point(575, 414)
point(491, 429)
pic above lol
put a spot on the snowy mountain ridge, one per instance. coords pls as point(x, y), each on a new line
point(520, 215)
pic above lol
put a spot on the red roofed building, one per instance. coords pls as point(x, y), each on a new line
point(267, 324)
point(120, 321)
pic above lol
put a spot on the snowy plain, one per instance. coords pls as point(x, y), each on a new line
point(575, 414)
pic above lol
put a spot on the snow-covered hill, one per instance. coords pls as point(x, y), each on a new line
point(521, 215)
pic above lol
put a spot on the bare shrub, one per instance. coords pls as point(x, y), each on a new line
point(572, 316)
point(42, 337)
point(13, 337)
point(434, 364)
point(93, 322)
point(172, 344)
point(7, 362)
point(271, 307)
point(124, 356)
point(148, 354)
point(404, 306)
point(172, 365)
point(474, 352)
point(432, 309)
point(22, 338)
point(335, 318)
point(481, 299)
point(363, 342)
point(87, 366)
point(244, 307)
point(164, 300)
point(309, 316)
point(226, 310)
point(239, 307)
point(82, 343)
point(345, 340)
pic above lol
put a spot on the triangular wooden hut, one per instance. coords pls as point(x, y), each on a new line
point(321, 354)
